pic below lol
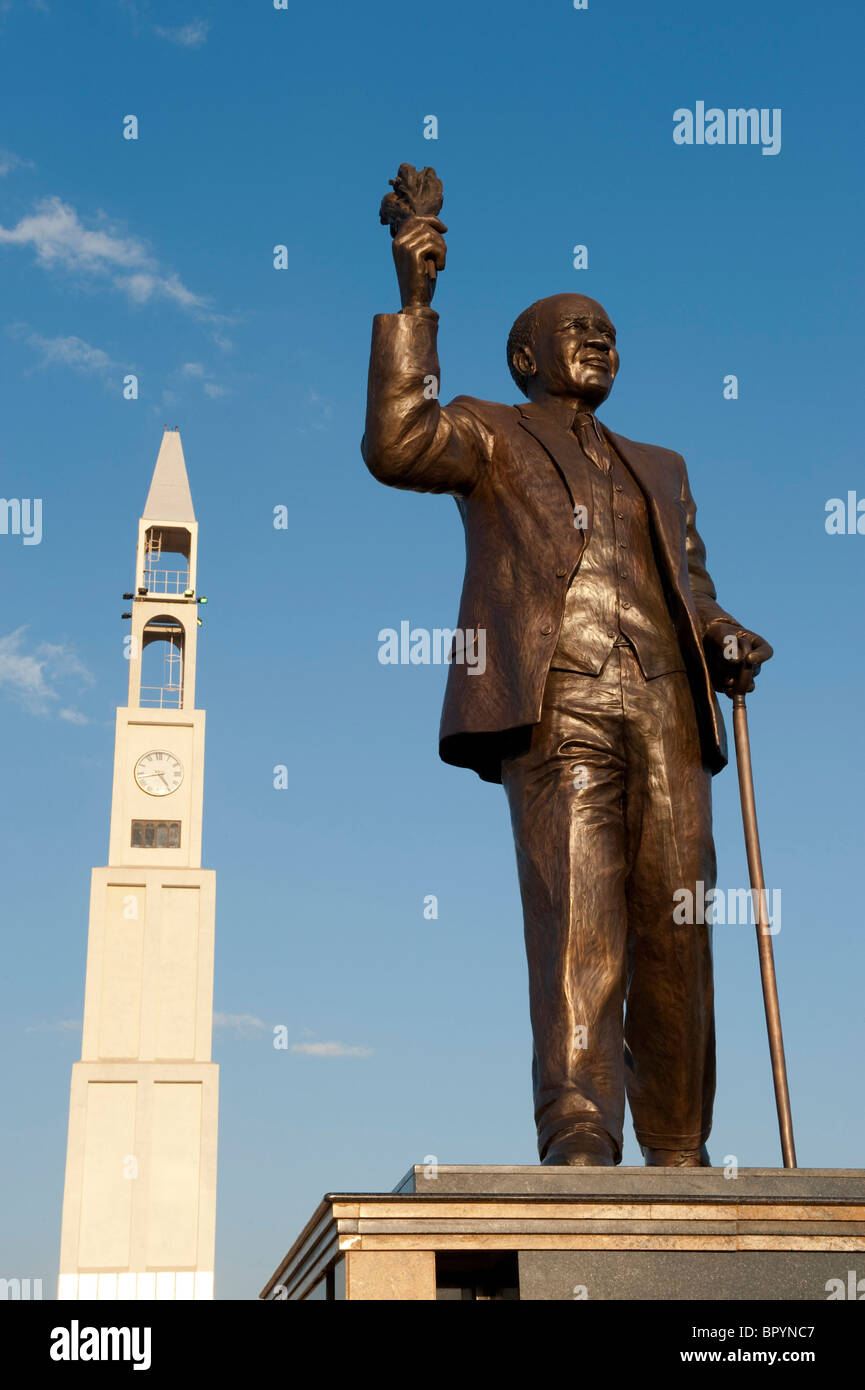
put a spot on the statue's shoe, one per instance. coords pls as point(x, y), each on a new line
point(580, 1148)
point(677, 1158)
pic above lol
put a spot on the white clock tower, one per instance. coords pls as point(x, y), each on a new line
point(139, 1203)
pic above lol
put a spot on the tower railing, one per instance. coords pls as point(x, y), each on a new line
point(166, 581)
point(161, 697)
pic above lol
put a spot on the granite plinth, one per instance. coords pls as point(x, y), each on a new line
point(553, 1233)
point(494, 1180)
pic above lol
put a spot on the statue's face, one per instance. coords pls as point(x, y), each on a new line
point(574, 352)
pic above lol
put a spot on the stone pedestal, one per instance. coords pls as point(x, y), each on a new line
point(585, 1233)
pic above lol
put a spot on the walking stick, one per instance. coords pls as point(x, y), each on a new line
point(764, 939)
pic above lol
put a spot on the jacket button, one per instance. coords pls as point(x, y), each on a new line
point(561, 572)
point(547, 629)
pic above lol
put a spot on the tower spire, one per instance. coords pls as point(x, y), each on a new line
point(169, 497)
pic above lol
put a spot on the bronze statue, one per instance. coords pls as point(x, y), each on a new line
point(596, 710)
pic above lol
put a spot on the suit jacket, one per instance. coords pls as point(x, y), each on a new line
point(508, 469)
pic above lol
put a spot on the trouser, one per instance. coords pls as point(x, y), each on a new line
point(611, 812)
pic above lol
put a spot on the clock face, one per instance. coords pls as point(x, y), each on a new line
point(158, 773)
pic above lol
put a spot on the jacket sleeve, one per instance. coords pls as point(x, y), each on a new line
point(709, 610)
point(410, 441)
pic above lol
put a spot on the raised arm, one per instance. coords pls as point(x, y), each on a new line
point(410, 441)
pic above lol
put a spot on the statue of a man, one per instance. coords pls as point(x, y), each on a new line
point(596, 707)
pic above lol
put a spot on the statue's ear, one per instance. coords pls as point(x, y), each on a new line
point(524, 362)
point(614, 363)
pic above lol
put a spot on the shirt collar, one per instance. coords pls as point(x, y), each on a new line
point(554, 408)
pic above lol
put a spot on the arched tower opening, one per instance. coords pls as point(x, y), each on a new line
point(162, 653)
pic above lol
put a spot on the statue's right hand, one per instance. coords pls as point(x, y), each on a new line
point(418, 241)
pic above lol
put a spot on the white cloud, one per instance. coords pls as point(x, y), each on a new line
point(331, 1049)
point(74, 716)
point(70, 352)
point(30, 676)
point(58, 237)
point(191, 35)
point(10, 161)
point(144, 286)
point(62, 242)
point(201, 373)
point(244, 1024)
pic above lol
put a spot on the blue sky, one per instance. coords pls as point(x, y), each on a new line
point(155, 257)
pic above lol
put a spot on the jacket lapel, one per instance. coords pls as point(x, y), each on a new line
point(568, 458)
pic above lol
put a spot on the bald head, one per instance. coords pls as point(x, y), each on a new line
point(564, 345)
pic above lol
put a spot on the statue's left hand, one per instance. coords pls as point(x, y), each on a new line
point(735, 655)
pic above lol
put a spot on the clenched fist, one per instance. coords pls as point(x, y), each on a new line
point(734, 656)
point(418, 252)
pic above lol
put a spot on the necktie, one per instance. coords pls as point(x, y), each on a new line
point(588, 432)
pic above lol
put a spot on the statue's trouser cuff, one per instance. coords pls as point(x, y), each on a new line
point(672, 1141)
point(611, 810)
point(558, 1122)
